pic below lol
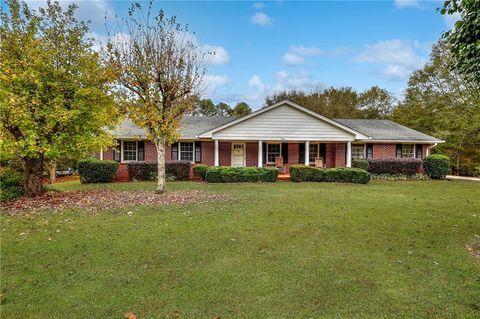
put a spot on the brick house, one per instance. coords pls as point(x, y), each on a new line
point(283, 131)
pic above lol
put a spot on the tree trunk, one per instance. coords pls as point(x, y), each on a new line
point(33, 168)
point(160, 145)
point(52, 171)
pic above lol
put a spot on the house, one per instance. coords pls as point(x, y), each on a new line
point(284, 130)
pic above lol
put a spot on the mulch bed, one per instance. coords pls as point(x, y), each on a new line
point(103, 199)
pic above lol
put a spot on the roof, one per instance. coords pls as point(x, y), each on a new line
point(191, 127)
point(384, 130)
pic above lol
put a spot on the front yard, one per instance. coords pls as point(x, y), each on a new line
point(282, 250)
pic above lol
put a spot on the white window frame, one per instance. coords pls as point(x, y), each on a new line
point(312, 159)
point(413, 151)
point(364, 151)
point(122, 159)
point(268, 151)
point(180, 150)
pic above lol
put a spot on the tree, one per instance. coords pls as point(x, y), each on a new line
point(241, 109)
point(205, 107)
point(376, 103)
point(464, 38)
point(442, 102)
point(223, 109)
point(160, 71)
point(54, 97)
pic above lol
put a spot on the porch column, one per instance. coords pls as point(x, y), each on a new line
point(260, 153)
point(349, 154)
point(216, 153)
point(101, 154)
point(307, 153)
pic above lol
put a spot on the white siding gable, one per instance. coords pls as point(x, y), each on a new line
point(284, 122)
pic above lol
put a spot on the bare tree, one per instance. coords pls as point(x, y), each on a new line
point(159, 69)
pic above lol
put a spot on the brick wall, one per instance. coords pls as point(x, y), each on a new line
point(225, 153)
point(208, 153)
point(122, 173)
point(252, 154)
point(330, 158)
point(293, 153)
point(340, 149)
point(383, 151)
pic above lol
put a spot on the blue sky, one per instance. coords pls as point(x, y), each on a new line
point(272, 45)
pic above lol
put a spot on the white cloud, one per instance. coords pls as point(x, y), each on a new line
point(262, 19)
point(305, 51)
point(293, 59)
point(214, 81)
point(259, 5)
point(219, 54)
point(399, 57)
point(407, 3)
point(298, 81)
point(257, 83)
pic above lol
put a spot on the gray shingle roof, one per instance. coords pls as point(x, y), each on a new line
point(190, 128)
point(386, 130)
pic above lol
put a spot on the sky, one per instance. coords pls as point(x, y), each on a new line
point(263, 47)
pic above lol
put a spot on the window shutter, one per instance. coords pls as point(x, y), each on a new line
point(285, 152)
point(323, 152)
point(141, 151)
point(419, 150)
point(399, 150)
point(174, 151)
point(198, 152)
point(264, 149)
point(117, 150)
point(301, 153)
point(369, 150)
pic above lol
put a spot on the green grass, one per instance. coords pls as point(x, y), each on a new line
point(283, 250)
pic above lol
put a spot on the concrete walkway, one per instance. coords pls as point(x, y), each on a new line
point(463, 178)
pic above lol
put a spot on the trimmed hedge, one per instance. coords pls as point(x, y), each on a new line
point(360, 163)
point(437, 166)
point(200, 170)
point(174, 170)
point(223, 174)
point(11, 183)
point(96, 171)
point(406, 166)
point(302, 173)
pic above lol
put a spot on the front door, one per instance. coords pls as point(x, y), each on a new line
point(238, 154)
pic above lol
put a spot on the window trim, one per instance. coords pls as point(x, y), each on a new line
point(180, 150)
point(364, 152)
point(317, 144)
point(122, 160)
point(413, 151)
point(268, 150)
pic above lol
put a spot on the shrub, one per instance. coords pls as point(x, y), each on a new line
point(144, 171)
point(399, 177)
point(222, 174)
point(200, 170)
point(360, 163)
point(407, 166)
point(96, 171)
point(437, 166)
point(11, 183)
point(302, 173)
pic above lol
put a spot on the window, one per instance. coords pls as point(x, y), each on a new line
point(358, 151)
point(186, 151)
point(273, 152)
point(419, 151)
point(116, 151)
point(129, 150)
point(313, 152)
point(407, 150)
point(369, 150)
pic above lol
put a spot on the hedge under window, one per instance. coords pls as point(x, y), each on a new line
point(186, 151)
point(358, 151)
point(273, 152)
point(129, 150)
point(407, 151)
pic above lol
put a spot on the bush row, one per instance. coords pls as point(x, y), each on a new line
point(200, 170)
point(399, 177)
point(222, 174)
point(96, 171)
point(406, 166)
point(174, 170)
point(11, 184)
point(302, 173)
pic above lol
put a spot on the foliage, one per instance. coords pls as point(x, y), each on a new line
point(344, 102)
point(442, 103)
point(97, 171)
point(241, 109)
point(399, 177)
point(11, 182)
point(200, 170)
point(437, 166)
point(54, 93)
point(160, 72)
point(407, 166)
point(360, 163)
point(205, 107)
point(144, 171)
point(464, 38)
point(303, 173)
point(223, 174)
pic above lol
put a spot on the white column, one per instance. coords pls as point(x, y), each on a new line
point(260, 154)
point(193, 151)
point(101, 154)
point(307, 153)
point(216, 153)
point(349, 154)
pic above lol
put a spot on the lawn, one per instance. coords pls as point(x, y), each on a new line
point(283, 250)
